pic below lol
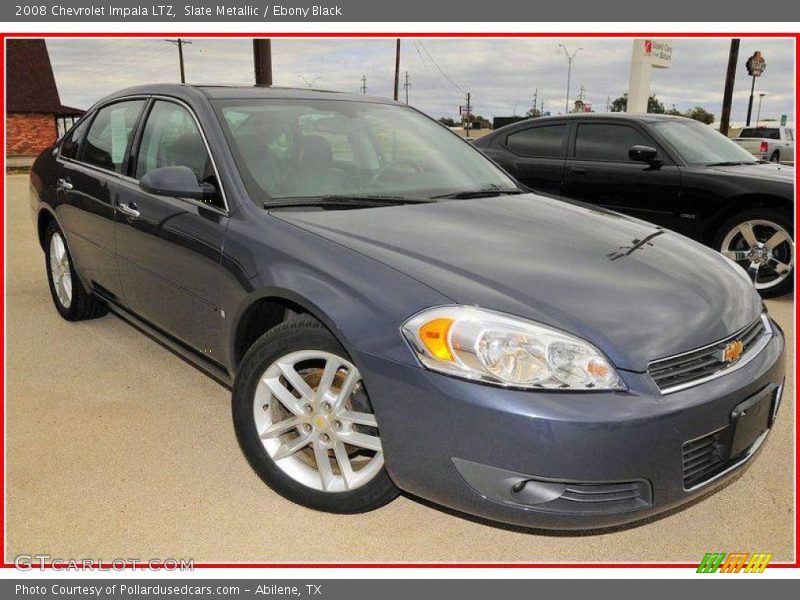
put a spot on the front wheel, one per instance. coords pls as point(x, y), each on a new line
point(760, 240)
point(305, 423)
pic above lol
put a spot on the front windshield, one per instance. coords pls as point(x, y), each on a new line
point(698, 144)
point(305, 148)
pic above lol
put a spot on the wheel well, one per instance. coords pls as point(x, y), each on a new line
point(740, 204)
point(45, 218)
point(260, 317)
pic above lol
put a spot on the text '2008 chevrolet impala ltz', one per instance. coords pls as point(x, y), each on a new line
point(394, 313)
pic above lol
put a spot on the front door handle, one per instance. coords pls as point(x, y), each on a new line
point(63, 184)
point(128, 209)
point(578, 170)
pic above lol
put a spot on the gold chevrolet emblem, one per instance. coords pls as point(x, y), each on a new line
point(732, 351)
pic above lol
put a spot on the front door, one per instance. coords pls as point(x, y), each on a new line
point(599, 171)
point(169, 249)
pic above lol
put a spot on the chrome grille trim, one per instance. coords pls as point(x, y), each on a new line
point(752, 349)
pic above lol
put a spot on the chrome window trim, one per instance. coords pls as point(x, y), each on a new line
point(762, 342)
point(222, 210)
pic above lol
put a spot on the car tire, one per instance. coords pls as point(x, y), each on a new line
point(266, 402)
point(71, 300)
point(775, 157)
point(764, 222)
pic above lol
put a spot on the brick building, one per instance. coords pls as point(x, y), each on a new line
point(35, 116)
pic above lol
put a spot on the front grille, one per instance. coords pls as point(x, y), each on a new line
point(691, 368)
point(705, 458)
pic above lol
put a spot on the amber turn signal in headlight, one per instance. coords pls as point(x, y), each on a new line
point(496, 348)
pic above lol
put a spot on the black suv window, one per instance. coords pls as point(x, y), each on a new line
point(110, 133)
point(544, 141)
point(71, 146)
point(607, 141)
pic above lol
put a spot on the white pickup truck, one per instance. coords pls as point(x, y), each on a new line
point(775, 144)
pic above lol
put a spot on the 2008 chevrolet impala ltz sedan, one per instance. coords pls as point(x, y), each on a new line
point(393, 312)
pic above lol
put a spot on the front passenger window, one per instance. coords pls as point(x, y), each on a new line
point(171, 139)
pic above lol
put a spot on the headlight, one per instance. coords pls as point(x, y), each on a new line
point(488, 346)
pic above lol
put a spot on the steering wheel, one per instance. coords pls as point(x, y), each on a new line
point(392, 165)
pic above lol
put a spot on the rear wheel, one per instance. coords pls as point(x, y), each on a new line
point(776, 157)
point(70, 299)
point(305, 423)
point(760, 240)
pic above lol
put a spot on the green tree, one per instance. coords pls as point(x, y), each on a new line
point(654, 105)
point(698, 113)
point(447, 122)
point(533, 113)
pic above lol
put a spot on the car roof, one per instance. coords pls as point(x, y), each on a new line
point(211, 92)
point(620, 116)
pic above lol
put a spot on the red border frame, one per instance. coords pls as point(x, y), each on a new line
point(323, 34)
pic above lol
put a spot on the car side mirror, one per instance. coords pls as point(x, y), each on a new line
point(177, 182)
point(644, 154)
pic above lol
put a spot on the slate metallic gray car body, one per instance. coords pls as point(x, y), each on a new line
point(633, 290)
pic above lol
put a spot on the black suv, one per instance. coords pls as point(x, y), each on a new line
point(672, 171)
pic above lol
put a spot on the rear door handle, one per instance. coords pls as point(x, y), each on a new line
point(578, 170)
point(63, 184)
point(128, 209)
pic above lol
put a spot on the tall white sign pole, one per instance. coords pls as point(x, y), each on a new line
point(645, 55)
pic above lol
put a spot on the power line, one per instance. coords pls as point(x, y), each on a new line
point(436, 64)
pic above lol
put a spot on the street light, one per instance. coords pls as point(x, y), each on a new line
point(758, 114)
point(569, 70)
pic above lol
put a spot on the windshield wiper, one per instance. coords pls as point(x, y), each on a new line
point(732, 163)
point(343, 200)
point(479, 193)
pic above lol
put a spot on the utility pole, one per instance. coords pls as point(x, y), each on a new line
point(535, 100)
point(758, 114)
point(397, 69)
point(581, 93)
point(363, 84)
point(180, 43)
point(469, 114)
point(608, 103)
point(262, 60)
point(730, 78)
point(570, 58)
point(407, 85)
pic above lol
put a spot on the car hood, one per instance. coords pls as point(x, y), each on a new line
point(768, 171)
point(636, 291)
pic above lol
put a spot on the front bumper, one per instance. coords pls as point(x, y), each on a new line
point(465, 445)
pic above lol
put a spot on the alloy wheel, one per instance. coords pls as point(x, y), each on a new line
point(60, 270)
point(763, 248)
point(315, 421)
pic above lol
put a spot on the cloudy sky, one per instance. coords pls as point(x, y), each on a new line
point(501, 74)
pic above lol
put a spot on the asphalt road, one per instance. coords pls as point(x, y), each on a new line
point(118, 448)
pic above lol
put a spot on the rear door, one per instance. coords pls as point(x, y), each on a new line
point(535, 155)
point(169, 249)
point(92, 160)
point(599, 171)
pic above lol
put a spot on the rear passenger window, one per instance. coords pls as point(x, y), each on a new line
point(545, 141)
point(606, 141)
point(71, 146)
point(110, 133)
